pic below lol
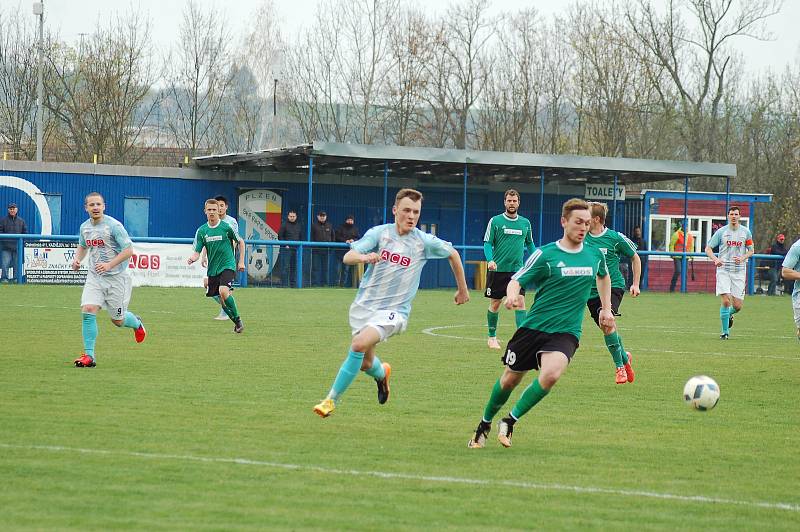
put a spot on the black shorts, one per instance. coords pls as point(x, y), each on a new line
point(616, 300)
point(496, 284)
point(522, 351)
point(225, 278)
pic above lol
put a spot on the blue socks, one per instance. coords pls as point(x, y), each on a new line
point(89, 333)
point(724, 318)
point(377, 370)
point(131, 320)
point(347, 373)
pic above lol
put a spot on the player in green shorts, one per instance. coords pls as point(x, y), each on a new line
point(613, 245)
point(506, 238)
point(562, 274)
point(218, 239)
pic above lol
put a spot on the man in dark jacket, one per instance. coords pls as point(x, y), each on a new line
point(321, 231)
point(347, 233)
point(11, 224)
point(290, 230)
point(777, 248)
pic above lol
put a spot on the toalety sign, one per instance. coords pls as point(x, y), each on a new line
point(604, 192)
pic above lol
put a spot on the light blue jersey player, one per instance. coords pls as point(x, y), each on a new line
point(108, 285)
point(735, 245)
point(395, 254)
point(791, 272)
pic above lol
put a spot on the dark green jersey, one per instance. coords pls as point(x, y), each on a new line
point(219, 242)
point(508, 237)
point(613, 245)
point(562, 280)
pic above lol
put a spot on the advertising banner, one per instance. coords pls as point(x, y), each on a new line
point(150, 264)
point(260, 219)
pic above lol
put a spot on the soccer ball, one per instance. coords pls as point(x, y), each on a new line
point(701, 393)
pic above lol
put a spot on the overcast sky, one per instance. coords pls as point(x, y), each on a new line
point(73, 17)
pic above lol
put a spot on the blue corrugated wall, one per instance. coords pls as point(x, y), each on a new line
point(176, 206)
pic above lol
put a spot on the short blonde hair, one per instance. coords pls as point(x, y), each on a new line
point(211, 201)
point(598, 209)
point(574, 204)
point(413, 195)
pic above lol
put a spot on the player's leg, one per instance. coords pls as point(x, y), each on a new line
point(724, 292)
point(364, 341)
point(117, 299)
point(737, 296)
point(796, 310)
point(92, 299)
point(492, 318)
point(225, 282)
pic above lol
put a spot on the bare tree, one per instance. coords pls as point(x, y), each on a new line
point(97, 95)
point(18, 71)
point(698, 61)
point(198, 76)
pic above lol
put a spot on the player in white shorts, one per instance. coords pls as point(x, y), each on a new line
point(108, 284)
point(222, 203)
point(791, 272)
point(735, 243)
point(395, 254)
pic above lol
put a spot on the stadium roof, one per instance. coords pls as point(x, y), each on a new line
point(446, 165)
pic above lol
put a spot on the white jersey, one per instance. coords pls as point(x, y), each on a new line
point(392, 283)
point(732, 244)
point(234, 223)
point(105, 240)
point(792, 261)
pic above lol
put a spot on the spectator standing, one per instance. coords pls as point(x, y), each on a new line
point(11, 224)
point(676, 244)
point(321, 231)
point(346, 233)
point(291, 229)
point(777, 248)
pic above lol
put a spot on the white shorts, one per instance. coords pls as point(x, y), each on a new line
point(731, 283)
point(796, 316)
point(386, 322)
point(112, 292)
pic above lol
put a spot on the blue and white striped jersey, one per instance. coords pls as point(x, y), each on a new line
point(792, 261)
point(392, 283)
point(104, 240)
point(732, 244)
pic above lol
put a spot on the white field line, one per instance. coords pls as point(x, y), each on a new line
point(792, 507)
point(78, 308)
point(432, 331)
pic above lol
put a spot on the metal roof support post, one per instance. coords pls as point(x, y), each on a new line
point(751, 266)
point(308, 225)
point(646, 236)
point(614, 204)
point(464, 218)
point(684, 260)
point(727, 194)
point(385, 187)
point(541, 207)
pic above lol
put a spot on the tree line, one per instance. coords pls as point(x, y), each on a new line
point(642, 79)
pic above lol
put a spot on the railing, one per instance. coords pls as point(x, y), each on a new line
point(294, 270)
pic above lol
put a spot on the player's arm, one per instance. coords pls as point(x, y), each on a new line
point(514, 300)
point(488, 252)
point(354, 257)
point(123, 255)
point(789, 274)
point(80, 253)
point(636, 264)
point(203, 258)
point(462, 294)
point(197, 245)
point(604, 289)
point(240, 247)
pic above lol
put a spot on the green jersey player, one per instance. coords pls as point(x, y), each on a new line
point(507, 236)
point(613, 245)
point(562, 274)
point(218, 239)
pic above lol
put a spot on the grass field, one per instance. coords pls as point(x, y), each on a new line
point(201, 429)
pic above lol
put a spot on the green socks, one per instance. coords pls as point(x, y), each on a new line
point(496, 401)
point(491, 320)
point(376, 371)
point(532, 395)
point(230, 307)
point(614, 345)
